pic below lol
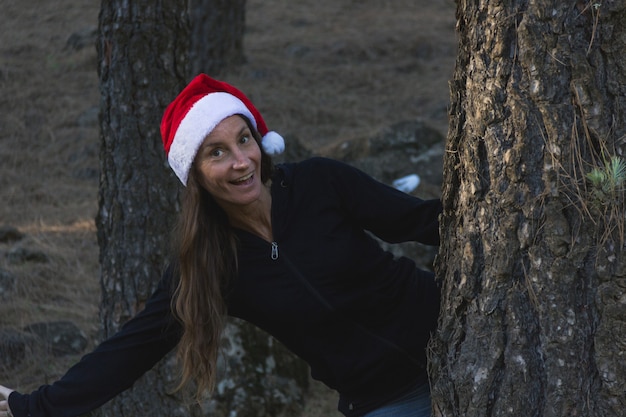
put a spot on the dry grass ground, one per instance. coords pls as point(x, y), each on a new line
point(322, 70)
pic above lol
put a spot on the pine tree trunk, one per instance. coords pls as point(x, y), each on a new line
point(138, 194)
point(532, 257)
point(217, 29)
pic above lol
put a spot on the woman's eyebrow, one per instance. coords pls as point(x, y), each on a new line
point(219, 142)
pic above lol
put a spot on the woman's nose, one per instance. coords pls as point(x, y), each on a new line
point(241, 160)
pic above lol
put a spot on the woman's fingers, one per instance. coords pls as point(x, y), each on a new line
point(4, 392)
point(4, 404)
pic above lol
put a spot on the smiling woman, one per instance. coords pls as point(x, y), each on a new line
point(229, 164)
point(288, 248)
point(196, 112)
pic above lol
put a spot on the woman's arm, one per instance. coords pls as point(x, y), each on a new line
point(111, 368)
point(390, 214)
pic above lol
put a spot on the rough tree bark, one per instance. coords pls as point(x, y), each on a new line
point(142, 49)
point(143, 52)
point(532, 258)
point(217, 29)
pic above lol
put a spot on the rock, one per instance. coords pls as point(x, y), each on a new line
point(83, 38)
point(257, 370)
point(297, 51)
point(9, 234)
point(409, 147)
point(7, 283)
point(14, 346)
point(20, 255)
point(61, 337)
point(403, 149)
point(294, 151)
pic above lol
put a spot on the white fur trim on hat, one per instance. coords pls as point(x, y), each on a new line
point(200, 120)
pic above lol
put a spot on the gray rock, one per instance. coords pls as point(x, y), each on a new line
point(14, 346)
point(83, 38)
point(256, 369)
point(409, 147)
point(61, 337)
point(8, 282)
point(10, 234)
point(294, 151)
point(21, 255)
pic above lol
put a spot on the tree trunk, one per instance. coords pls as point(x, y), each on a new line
point(217, 29)
point(532, 257)
point(142, 64)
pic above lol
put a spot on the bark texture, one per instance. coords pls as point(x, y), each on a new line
point(142, 50)
point(217, 30)
point(532, 257)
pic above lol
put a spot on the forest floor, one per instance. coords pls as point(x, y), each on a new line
point(321, 70)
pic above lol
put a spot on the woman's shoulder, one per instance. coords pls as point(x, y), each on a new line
point(311, 174)
point(319, 172)
point(318, 166)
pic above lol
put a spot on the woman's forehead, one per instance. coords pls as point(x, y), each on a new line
point(232, 125)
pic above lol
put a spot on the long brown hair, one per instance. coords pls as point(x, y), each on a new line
point(207, 252)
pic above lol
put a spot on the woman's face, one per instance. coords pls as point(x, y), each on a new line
point(229, 164)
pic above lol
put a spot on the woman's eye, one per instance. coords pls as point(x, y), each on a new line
point(216, 153)
point(245, 139)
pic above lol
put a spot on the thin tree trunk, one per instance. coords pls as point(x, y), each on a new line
point(532, 257)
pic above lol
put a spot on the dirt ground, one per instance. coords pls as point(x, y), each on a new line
point(319, 70)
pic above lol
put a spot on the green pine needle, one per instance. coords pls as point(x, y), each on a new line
point(610, 179)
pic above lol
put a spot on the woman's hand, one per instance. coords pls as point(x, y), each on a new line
point(5, 411)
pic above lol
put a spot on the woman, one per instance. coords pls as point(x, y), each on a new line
point(285, 248)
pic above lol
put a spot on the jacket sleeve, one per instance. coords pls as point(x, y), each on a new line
point(110, 368)
point(392, 215)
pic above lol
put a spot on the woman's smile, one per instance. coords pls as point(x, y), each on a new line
point(245, 180)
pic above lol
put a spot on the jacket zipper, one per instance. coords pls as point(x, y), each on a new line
point(274, 254)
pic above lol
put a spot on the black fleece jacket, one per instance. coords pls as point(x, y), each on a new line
point(358, 316)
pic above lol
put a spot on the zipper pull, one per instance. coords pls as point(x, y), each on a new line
point(274, 251)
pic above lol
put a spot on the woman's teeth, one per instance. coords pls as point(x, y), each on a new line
point(243, 179)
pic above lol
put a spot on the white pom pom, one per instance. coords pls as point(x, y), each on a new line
point(408, 183)
point(273, 143)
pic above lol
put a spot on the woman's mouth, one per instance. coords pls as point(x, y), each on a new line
point(244, 180)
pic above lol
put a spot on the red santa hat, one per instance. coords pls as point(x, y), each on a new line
point(196, 111)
